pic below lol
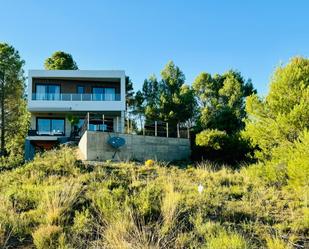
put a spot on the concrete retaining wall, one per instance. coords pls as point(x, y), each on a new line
point(94, 146)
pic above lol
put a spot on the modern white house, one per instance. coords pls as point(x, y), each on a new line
point(56, 97)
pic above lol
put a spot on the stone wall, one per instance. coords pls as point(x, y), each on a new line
point(94, 146)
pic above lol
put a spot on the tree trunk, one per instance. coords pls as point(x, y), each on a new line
point(2, 117)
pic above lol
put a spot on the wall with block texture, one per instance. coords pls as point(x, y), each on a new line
point(94, 147)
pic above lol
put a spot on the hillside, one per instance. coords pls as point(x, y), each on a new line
point(57, 201)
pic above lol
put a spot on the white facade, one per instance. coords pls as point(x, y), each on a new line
point(66, 104)
point(75, 103)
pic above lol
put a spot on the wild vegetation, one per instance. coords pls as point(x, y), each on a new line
point(252, 192)
point(57, 201)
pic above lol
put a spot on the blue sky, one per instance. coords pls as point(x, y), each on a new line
point(140, 37)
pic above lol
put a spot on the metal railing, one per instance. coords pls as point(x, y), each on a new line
point(76, 97)
point(162, 129)
point(149, 128)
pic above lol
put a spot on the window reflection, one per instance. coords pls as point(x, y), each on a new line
point(47, 92)
point(51, 127)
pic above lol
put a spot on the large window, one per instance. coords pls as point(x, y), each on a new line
point(47, 92)
point(50, 126)
point(103, 93)
point(109, 93)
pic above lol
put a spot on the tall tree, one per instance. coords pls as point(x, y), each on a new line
point(60, 61)
point(284, 114)
point(129, 93)
point(151, 97)
point(14, 116)
point(138, 107)
point(177, 102)
point(221, 100)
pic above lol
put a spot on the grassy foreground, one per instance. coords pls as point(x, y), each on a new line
point(57, 201)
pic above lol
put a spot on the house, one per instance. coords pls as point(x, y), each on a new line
point(60, 100)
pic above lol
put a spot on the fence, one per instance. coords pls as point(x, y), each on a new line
point(103, 123)
point(165, 129)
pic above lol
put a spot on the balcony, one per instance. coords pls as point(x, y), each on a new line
point(75, 97)
point(75, 102)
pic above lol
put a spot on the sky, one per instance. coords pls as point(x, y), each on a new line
point(140, 37)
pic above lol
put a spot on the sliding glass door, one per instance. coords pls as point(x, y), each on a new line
point(109, 94)
point(50, 126)
point(47, 92)
point(103, 93)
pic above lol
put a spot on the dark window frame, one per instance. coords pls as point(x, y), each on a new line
point(84, 89)
point(47, 93)
point(50, 119)
point(42, 84)
point(103, 87)
point(97, 87)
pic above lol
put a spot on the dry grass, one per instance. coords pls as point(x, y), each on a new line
point(57, 202)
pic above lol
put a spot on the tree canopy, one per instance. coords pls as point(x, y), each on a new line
point(14, 116)
point(284, 114)
point(177, 102)
point(221, 101)
point(60, 61)
point(129, 92)
point(169, 100)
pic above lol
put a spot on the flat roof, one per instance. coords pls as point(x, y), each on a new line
point(76, 73)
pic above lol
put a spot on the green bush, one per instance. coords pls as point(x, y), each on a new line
point(46, 236)
point(211, 138)
point(277, 243)
point(225, 240)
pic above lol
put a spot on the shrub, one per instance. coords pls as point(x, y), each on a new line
point(211, 138)
point(132, 206)
point(276, 243)
point(82, 222)
point(169, 206)
point(220, 147)
point(46, 236)
point(58, 200)
point(56, 162)
point(225, 240)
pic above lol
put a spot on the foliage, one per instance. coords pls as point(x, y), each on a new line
point(15, 118)
point(73, 119)
point(129, 92)
point(221, 101)
point(46, 236)
point(212, 138)
point(151, 96)
point(177, 102)
point(224, 240)
point(60, 61)
point(284, 114)
point(58, 202)
point(290, 166)
point(169, 100)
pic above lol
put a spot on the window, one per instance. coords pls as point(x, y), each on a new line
point(103, 93)
point(80, 89)
point(50, 126)
point(109, 93)
point(97, 125)
point(47, 92)
point(98, 93)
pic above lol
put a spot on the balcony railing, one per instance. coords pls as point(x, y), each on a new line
point(75, 97)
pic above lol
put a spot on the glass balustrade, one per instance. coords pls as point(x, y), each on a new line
point(75, 97)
